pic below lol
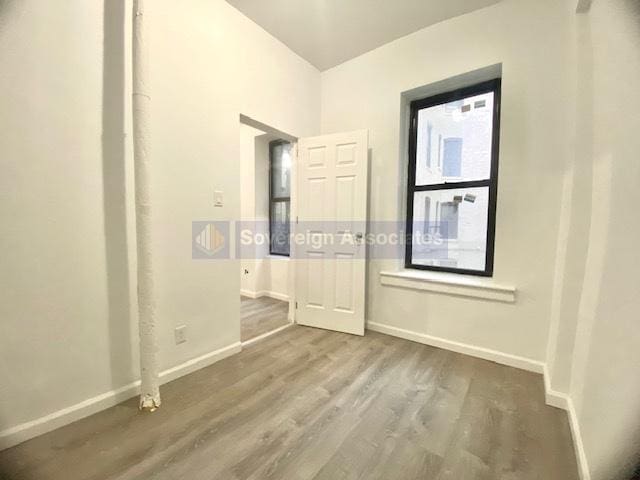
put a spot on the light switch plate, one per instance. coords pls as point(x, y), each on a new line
point(218, 198)
point(180, 334)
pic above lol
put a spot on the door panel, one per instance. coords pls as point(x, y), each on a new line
point(332, 210)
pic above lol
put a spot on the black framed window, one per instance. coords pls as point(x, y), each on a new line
point(279, 196)
point(451, 201)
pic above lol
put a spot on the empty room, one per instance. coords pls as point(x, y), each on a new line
point(319, 239)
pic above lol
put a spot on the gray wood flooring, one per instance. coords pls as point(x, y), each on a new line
point(313, 404)
point(261, 315)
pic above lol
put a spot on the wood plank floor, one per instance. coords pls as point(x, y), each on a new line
point(261, 315)
point(313, 404)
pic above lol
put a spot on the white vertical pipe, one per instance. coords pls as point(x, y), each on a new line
point(150, 390)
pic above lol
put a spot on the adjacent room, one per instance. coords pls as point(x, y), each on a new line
point(328, 239)
point(265, 205)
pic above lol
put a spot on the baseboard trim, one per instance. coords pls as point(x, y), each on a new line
point(522, 363)
point(278, 296)
point(552, 397)
point(25, 431)
point(265, 293)
point(197, 363)
point(265, 335)
point(248, 293)
point(564, 402)
point(581, 456)
point(28, 430)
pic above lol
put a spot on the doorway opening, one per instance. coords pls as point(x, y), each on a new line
point(266, 169)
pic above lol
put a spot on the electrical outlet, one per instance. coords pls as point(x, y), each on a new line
point(180, 334)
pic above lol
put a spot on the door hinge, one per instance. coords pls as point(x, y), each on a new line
point(296, 219)
point(296, 305)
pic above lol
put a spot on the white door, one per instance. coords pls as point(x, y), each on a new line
point(330, 250)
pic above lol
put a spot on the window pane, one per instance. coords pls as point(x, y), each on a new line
point(452, 157)
point(449, 216)
point(450, 228)
point(280, 228)
point(281, 170)
point(454, 141)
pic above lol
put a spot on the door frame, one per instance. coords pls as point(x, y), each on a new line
point(293, 219)
point(293, 204)
point(293, 227)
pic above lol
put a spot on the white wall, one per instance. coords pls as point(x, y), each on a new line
point(595, 357)
point(64, 277)
point(279, 277)
point(65, 283)
point(232, 67)
point(530, 40)
point(267, 274)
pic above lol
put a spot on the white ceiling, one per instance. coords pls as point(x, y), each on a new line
point(329, 32)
